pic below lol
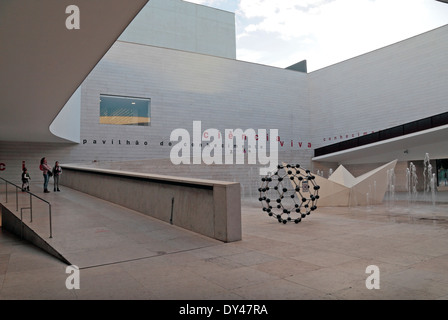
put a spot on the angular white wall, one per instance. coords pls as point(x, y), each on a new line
point(67, 124)
point(390, 86)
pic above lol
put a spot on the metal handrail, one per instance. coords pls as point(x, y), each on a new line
point(31, 202)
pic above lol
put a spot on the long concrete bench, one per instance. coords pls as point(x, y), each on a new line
point(208, 207)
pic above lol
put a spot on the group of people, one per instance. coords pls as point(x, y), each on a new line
point(47, 171)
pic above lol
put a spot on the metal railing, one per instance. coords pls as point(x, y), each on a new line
point(30, 205)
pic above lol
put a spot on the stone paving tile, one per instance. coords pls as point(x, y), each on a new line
point(328, 280)
point(325, 258)
point(433, 283)
point(240, 277)
point(192, 288)
point(110, 283)
point(286, 267)
point(359, 267)
point(251, 258)
point(281, 290)
point(387, 291)
point(434, 247)
point(396, 256)
point(436, 264)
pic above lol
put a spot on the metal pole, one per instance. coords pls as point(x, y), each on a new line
point(172, 206)
point(21, 224)
point(49, 210)
point(6, 190)
point(17, 200)
point(31, 207)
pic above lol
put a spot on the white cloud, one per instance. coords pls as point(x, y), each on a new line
point(281, 33)
point(328, 31)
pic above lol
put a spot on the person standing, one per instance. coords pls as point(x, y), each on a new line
point(46, 170)
point(25, 180)
point(57, 171)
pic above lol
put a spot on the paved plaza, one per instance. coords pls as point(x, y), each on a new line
point(123, 254)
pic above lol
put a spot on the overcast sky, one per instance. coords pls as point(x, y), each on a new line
point(282, 32)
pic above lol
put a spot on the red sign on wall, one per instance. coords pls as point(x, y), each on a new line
point(2, 166)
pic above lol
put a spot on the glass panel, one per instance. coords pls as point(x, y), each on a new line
point(125, 110)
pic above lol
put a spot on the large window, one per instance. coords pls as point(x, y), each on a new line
point(125, 110)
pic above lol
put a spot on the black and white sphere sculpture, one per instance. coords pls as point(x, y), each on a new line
point(289, 194)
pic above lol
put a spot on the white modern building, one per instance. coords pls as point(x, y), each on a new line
point(175, 65)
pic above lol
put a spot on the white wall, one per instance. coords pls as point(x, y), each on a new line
point(186, 87)
point(391, 86)
point(181, 25)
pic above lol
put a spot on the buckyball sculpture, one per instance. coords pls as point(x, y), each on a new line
point(289, 194)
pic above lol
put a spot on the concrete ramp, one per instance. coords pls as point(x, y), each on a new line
point(88, 232)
